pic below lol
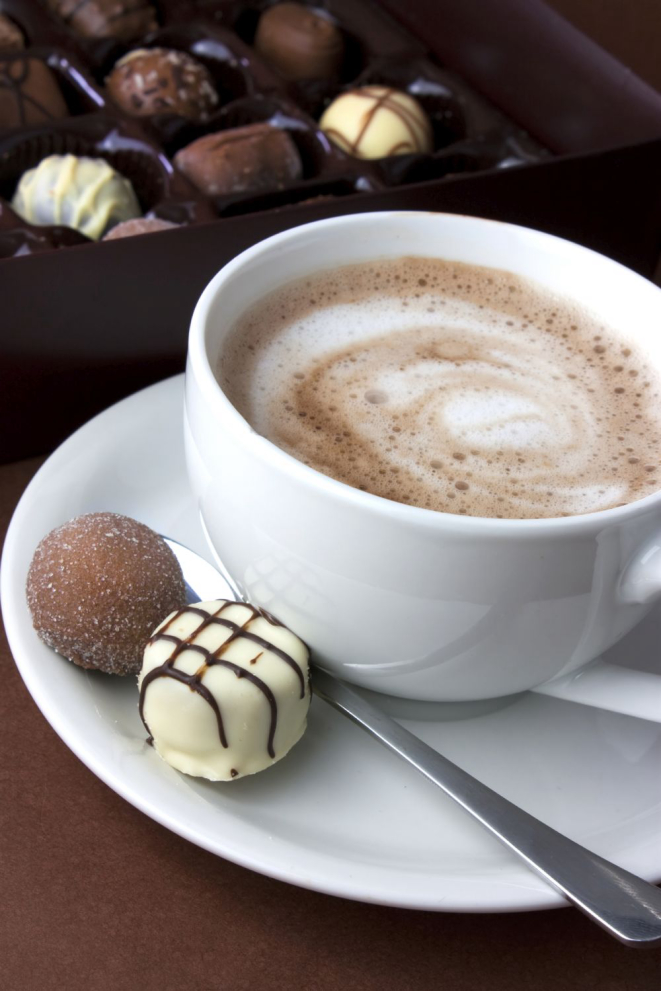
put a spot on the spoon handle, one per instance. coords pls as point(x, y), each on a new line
point(626, 906)
point(623, 904)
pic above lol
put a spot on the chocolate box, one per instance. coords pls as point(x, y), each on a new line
point(536, 126)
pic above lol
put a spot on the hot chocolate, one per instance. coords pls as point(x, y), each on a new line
point(451, 387)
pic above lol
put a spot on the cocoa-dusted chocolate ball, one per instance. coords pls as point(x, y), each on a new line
point(141, 225)
point(124, 20)
point(160, 80)
point(29, 93)
point(97, 588)
point(11, 36)
point(256, 157)
point(299, 42)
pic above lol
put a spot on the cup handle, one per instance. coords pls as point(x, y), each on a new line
point(641, 582)
point(607, 686)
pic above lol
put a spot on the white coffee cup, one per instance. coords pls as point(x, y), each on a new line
point(403, 600)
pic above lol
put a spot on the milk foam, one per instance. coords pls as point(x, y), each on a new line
point(451, 387)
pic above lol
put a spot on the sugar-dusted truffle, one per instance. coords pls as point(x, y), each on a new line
point(83, 193)
point(142, 225)
point(98, 585)
point(377, 122)
point(151, 81)
point(224, 689)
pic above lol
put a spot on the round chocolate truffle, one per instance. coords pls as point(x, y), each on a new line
point(376, 122)
point(29, 93)
point(253, 158)
point(141, 225)
point(159, 81)
point(299, 42)
point(11, 36)
point(97, 587)
point(120, 19)
point(83, 193)
point(232, 704)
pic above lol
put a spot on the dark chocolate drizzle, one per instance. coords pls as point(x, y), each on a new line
point(14, 76)
point(386, 102)
point(211, 658)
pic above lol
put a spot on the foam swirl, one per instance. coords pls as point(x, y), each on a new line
point(480, 396)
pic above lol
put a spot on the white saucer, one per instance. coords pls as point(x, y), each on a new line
point(339, 814)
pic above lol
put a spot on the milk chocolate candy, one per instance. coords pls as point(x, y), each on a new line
point(141, 225)
point(299, 42)
point(11, 36)
point(377, 122)
point(255, 157)
point(160, 80)
point(83, 193)
point(29, 93)
point(124, 20)
point(224, 690)
point(98, 585)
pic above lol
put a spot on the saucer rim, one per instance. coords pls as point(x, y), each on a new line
point(507, 891)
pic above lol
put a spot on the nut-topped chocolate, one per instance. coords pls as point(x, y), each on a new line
point(161, 80)
point(29, 93)
point(98, 585)
point(377, 122)
point(120, 19)
point(224, 689)
point(299, 42)
point(255, 157)
point(11, 36)
point(83, 193)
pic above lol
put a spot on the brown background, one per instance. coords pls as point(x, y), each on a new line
point(96, 896)
point(629, 29)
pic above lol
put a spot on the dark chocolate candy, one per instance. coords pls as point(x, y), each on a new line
point(29, 93)
point(299, 42)
point(255, 157)
point(121, 19)
point(161, 80)
point(11, 36)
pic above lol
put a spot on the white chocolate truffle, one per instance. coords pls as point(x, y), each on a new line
point(377, 122)
point(83, 193)
point(224, 690)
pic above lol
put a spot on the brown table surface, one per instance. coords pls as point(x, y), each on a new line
point(95, 896)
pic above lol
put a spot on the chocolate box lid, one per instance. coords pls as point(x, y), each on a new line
point(536, 126)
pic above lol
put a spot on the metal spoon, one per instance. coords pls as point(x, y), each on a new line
point(621, 903)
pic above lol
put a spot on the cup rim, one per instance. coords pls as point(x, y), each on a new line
point(199, 367)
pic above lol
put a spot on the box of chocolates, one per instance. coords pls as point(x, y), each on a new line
point(144, 144)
